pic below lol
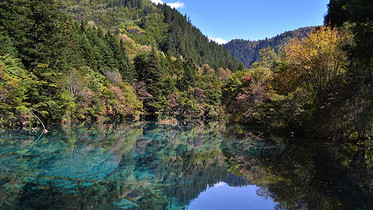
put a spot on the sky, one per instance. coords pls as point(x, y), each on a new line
point(252, 20)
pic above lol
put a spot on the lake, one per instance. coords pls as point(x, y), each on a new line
point(147, 165)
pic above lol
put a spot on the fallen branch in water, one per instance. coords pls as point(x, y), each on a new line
point(44, 131)
point(38, 119)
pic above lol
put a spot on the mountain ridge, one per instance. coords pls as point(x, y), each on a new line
point(148, 23)
point(247, 51)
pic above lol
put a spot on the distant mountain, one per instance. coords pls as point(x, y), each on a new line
point(247, 51)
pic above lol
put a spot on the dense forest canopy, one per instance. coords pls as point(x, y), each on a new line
point(147, 24)
point(69, 61)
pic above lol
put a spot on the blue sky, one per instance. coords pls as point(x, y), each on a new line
point(250, 19)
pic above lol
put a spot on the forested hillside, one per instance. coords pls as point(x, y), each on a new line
point(71, 61)
point(247, 51)
point(149, 24)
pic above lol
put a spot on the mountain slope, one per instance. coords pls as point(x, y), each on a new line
point(247, 51)
point(80, 61)
point(149, 24)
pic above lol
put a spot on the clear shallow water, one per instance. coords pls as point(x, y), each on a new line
point(153, 166)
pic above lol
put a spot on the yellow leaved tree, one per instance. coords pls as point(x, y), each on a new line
point(316, 63)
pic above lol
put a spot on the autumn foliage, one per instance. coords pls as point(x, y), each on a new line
point(316, 63)
point(302, 89)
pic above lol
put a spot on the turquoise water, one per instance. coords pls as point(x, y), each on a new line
point(202, 166)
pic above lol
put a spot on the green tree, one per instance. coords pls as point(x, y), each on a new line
point(14, 81)
point(6, 44)
point(36, 29)
point(188, 80)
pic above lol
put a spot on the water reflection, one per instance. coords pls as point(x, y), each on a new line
point(306, 175)
point(244, 197)
point(154, 166)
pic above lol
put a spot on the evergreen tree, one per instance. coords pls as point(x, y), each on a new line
point(36, 28)
point(6, 45)
point(188, 80)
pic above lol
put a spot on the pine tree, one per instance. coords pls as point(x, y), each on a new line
point(36, 28)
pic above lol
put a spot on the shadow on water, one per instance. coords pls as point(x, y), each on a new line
point(154, 166)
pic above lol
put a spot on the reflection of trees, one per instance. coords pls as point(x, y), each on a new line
point(131, 165)
point(151, 166)
point(306, 176)
point(236, 181)
point(181, 162)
